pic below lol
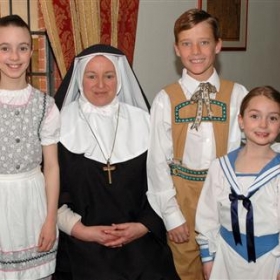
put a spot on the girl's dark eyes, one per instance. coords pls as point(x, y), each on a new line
point(24, 49)
point(4, 49)
point(274, 118)
point(21, 49)
point(271, 118)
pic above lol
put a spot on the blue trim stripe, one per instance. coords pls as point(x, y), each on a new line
point(229, 173)
point(263, 244)
point(205, 254)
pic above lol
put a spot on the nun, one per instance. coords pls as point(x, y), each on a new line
point(108, 230)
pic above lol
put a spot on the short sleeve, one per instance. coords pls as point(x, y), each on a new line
point(50, 131)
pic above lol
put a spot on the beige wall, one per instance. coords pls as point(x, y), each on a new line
point(20, 7)
point(156, 64)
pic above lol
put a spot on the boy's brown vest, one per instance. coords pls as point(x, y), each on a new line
point(188, 183)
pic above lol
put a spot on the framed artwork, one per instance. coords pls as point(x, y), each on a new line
point(232, 16)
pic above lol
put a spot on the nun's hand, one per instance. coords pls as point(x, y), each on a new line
point(93, 233)
point(125, 233)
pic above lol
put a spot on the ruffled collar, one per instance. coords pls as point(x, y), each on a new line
point(15, 97)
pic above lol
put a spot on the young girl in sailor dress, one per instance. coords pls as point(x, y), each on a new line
point(29, 128)
point(238, 213)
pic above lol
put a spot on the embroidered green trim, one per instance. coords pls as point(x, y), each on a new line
point(223, 118)
point(187, 174)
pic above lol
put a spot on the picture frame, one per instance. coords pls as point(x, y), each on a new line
point(233, 18)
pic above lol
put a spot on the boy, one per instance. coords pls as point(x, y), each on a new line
point(192, 124)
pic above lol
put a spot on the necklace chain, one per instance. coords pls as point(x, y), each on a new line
point(92, 132)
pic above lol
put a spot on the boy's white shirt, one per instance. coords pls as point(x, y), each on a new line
point(199, 151)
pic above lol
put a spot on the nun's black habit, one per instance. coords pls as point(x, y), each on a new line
point(85, 188)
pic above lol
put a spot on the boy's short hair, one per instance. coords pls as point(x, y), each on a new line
point(193, 17)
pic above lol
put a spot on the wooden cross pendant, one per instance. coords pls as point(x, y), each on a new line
point(108, 169)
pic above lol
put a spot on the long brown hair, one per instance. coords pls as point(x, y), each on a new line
point(267, 91)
